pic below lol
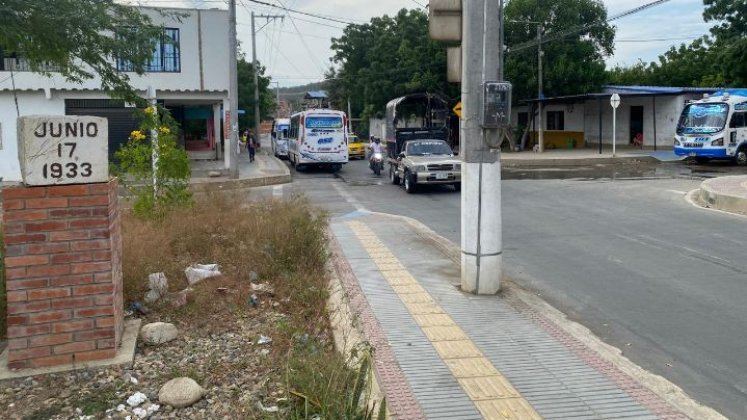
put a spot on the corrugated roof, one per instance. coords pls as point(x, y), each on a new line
point(316, 94)
point(661, 89)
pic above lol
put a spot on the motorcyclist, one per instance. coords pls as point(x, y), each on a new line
point(375, 146)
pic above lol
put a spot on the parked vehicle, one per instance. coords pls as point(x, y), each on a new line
point(356, 147)
point(714, 127)
point(317, 138)
point(418, 152)
point(279, 137)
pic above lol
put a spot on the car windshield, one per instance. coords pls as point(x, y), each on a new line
point(427, 148)
point(703, 118)
point(353, 139)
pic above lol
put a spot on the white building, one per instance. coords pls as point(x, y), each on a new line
point(190, 76)
point(586, 120)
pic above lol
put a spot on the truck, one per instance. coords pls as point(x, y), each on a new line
point(714, 127)
point(418, 151)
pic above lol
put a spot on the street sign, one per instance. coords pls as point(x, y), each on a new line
point(458, 109)
point(615, 100)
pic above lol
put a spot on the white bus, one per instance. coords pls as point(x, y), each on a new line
point(318, 137)
point(279, 137)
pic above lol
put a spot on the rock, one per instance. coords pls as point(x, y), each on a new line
point(263, 288)
point(151, 297)
point(158, 333)
point(180, 392)
point(181, 298)
point(214, 174)
point(158, 282)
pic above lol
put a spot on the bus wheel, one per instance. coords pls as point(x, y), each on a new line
point(741, 157)
point(335, 168)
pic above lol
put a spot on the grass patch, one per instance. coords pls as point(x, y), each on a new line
point(284, 242)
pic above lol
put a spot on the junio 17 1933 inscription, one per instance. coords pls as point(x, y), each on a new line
point(56, 150)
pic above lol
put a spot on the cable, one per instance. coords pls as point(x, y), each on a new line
point(331, 19)
point(303, 40)
point(563, 34)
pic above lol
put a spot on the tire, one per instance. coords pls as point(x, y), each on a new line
point(335, 168)
point(377, 169)
point(741, 157)
point(457, 186)
point(393, 175)
point(410, 183)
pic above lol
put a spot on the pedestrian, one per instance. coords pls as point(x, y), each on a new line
point(250, 145)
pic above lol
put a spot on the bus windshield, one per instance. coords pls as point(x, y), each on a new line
point(703, 118)
point(333, 121)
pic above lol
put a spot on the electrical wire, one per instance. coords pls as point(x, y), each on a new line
point(579, 28)
point(303, 40)
point(288, 10)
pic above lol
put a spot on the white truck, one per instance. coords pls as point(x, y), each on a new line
point(714, 127)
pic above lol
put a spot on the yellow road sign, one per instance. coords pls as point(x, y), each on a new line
point(458, 109)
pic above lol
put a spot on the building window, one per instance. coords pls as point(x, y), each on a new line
point(166, 58)
point(555, 120)
point(523, 119)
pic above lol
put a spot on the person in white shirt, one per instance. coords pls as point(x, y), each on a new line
point(375, 146)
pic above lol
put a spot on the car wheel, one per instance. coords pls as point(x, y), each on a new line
point(457, 186)
point(393, 176)
point(410, 184)
point(741, 157)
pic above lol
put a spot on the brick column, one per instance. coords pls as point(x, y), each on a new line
point(63, 251)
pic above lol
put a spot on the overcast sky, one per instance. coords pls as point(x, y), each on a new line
point(296, 50)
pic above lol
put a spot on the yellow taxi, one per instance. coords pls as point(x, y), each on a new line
point(356, 147)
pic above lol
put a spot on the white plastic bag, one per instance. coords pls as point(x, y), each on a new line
point(198, 272)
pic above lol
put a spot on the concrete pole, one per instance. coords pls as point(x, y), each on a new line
point(233, 96)
point(481, 243)
point(277, 99)
point(350, 116)
point(539, 90)
point(154, 139)
point(614, 129)
point(256, 82)
point(216, 131)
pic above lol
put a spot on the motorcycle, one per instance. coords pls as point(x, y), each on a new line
point(376, 163)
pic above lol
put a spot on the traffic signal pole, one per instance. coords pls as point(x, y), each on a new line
point(481, 216)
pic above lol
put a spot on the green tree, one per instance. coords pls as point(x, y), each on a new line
point(730, 38)
point(578, 39)
point(246, 93)
point(79, 38)
point(388, 57)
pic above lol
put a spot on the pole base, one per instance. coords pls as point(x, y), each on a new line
point(490, 274)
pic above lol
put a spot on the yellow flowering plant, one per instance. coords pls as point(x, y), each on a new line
point(155, 193)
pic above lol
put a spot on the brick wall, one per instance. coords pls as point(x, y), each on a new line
point(63, 273)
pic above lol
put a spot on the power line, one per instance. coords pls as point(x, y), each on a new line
point(303, 40)
point(331, 19)
point(574, 30)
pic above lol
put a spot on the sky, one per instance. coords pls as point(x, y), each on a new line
point(296, 49)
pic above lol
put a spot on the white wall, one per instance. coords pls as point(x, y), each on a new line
point(29, 103)
point(214, 29)
point(573, 115)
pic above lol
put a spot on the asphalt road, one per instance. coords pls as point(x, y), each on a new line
point(619, 251)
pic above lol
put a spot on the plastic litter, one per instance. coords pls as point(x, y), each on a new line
point(263, 339)
point(136, 399)
point(270, 409)
point(137, 308)
point(263, 288)
point(253, 300)
point(198, 272)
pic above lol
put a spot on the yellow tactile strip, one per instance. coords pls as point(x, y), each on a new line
point(492, 393)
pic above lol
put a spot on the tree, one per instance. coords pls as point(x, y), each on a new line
point(79, 38)
point(386, 58)
point(246, 93)
point(578, 39)
point(730, 43)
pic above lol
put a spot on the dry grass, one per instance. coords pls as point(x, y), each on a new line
point(285, 243)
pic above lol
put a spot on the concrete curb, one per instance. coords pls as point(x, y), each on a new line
point(552, 162)
point(205, 184)
point(728, 193)
point(521, 298)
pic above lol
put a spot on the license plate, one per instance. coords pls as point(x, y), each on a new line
point(324, 149)
point(442, 176)
point(691, 154)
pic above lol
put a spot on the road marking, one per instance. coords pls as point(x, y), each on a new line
point(677, 192)
point(490, 391)
point(348, 197)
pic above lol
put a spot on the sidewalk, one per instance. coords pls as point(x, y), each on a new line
point(726, 193)
point(587, 156)
point(265, 170)
point(443, 354)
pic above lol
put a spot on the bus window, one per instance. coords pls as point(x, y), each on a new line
point(737, 120)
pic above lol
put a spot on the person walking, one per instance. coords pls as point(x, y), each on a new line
point(251, 145)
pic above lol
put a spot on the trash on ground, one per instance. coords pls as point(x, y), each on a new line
point(198, 272)
point(270, 409)
point(263, 339)
point(253, 300)
point(136, 399)
point(263, 288)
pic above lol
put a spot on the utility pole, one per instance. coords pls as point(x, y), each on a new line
point(255, 68)
point(232, 113)
point(481, 216)
point(350, 116)
point(540, 53)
